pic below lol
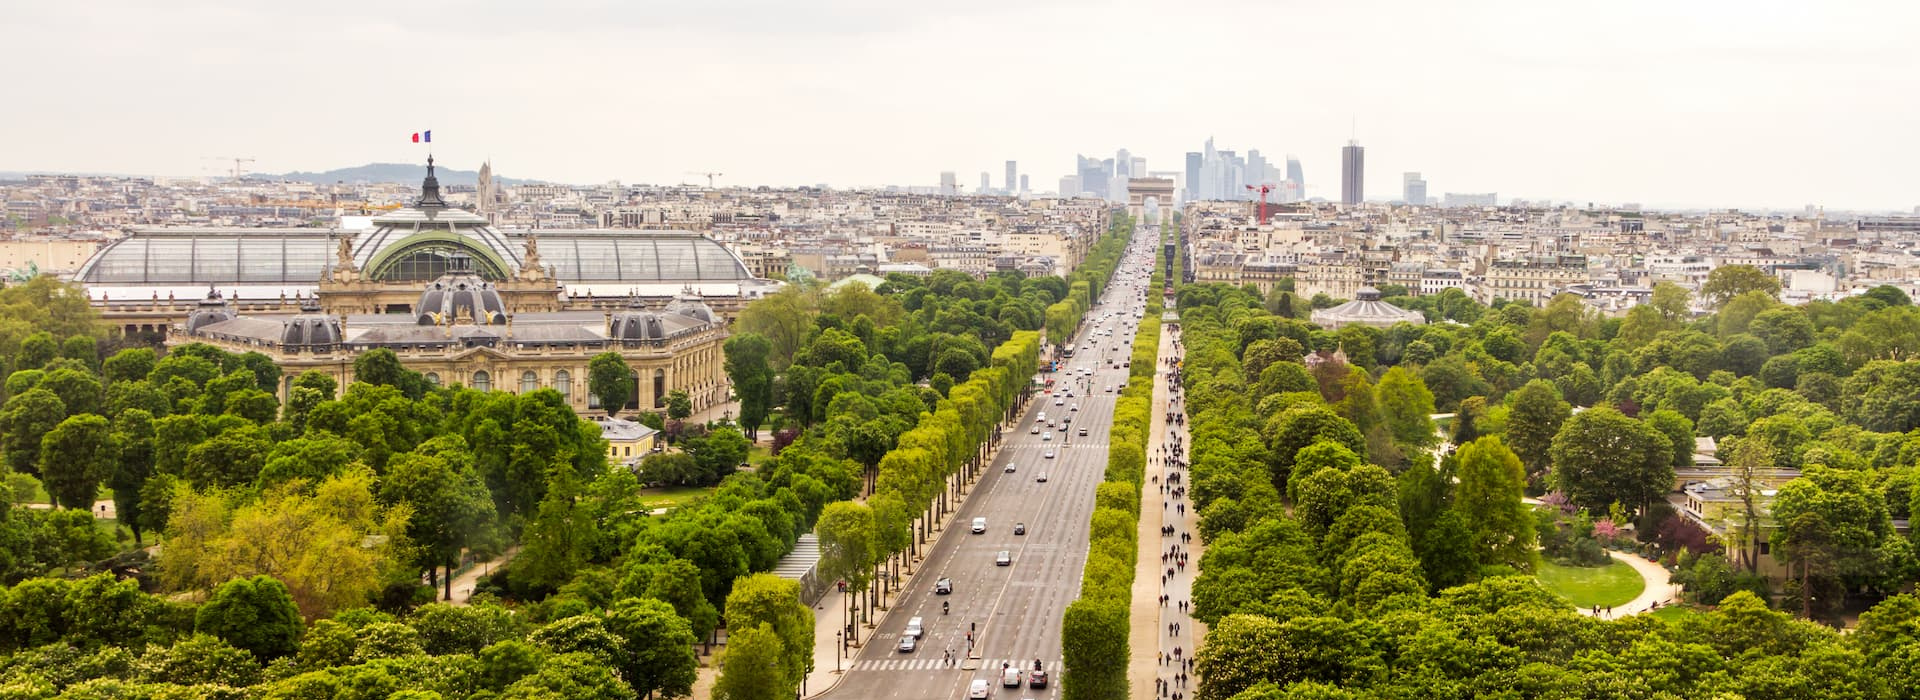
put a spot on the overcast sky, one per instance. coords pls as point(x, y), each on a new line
point(1735, 103)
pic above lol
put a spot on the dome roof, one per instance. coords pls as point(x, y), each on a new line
point(310, 328)
point(692, 307)
point(211, 310)
point(460, 295)
point(636, 324)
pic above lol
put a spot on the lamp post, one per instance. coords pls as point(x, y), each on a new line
point(840, 649)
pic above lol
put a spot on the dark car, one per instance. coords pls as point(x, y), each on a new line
point(943, 586)
point(1019, 528)
point(1036, 679)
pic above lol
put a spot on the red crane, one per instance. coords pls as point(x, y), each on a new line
point(1263, 189)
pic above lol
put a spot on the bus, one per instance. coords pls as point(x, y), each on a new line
point(1069, 351)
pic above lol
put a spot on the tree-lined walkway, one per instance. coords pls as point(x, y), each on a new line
point(1160, 617)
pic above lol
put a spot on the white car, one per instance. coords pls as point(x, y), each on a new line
point(1009, 467)
point(1049, 454)
point(1004, 558)
point(1036, 429)
point(980, 689)
point(979, 526)
point(1059, 401)
point(1046, 436)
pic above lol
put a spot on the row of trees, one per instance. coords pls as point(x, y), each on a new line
point(1094, 628)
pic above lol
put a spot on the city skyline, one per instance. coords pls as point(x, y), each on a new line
point(1710, 105)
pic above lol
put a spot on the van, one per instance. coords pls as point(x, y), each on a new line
point(913, 628)
point(1012, 677)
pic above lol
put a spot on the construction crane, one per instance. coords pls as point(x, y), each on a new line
point(238, 164)
point(1263, 190)
point(709, 176)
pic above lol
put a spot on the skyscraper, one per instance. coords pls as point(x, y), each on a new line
point(1023, 186)
point(1012, 177)
point(1353, 173)
point(1070, 186)
point(1414, 189)
point(949, 183)
point(1296, 182)
point(1193, 176)
point(1094, 175)
point(986, 184)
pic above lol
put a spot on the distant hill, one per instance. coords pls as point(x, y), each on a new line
point(405, 173)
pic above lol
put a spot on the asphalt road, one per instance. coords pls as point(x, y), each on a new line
point(1014, 611)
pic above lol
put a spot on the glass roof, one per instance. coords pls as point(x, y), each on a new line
point(225, 257)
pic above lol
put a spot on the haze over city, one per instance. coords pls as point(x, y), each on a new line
point(1704, 104)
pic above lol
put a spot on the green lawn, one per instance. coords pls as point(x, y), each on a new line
point(1613, 584)
point(1675, 613)
point(672, 497)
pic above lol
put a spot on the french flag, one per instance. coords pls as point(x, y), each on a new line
point(423, 137)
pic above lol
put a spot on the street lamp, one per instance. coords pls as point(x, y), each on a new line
point(841, 650)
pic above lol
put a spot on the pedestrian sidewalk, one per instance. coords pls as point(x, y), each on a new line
point(1144, 614)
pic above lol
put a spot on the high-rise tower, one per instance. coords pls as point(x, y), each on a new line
point(1013, 178)
point(1193, 176)
point(1353, 173)
point(1414, 189)
point(1296, 189)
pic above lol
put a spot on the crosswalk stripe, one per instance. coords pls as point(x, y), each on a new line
point(923, 664)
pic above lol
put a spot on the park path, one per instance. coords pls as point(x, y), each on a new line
point(1660, 588)
point(464, 582)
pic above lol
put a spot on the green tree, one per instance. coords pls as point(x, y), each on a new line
point(571, 675)
point(101, 610)
point(74, 458)
point(610, 380)
point(1407, 406)
point(256, 614)
point(132, 436)
point(657, 654)
point(1679, 432)
point(1536, 415)
point(718, 454)
point(679, 405)
point(1491, 482)
point(24, 420)
point(382, 368)
point(449, 507)
point(751, 667)
point(78, 389)
point(203, 658)
point(1728, 281)
point(766, 599)
point(784, 319)
point(1601, 457)
point(1297, 428)
point(1093, 638)
point(36, 351)
point(129, 365)
point(556, 544)
point(749, 366)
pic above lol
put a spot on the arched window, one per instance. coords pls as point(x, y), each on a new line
point(563, 383)
point(529, 382)
point(433, 378)
point(482, 381)
point(659, 388)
